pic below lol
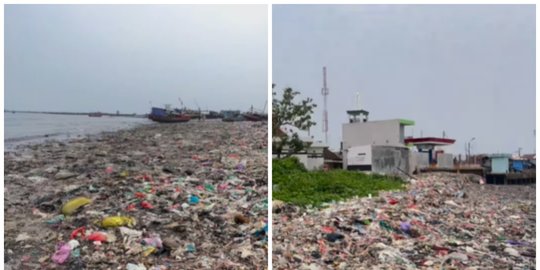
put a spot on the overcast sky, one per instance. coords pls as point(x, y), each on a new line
point(468, 70)
point(122, 57)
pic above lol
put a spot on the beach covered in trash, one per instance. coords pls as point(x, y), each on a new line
point(442, 221)
point(173, 196)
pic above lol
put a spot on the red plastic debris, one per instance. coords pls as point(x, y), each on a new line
point(148, 178)
point(441, 251)
point(222, 187)
point(76, 232)
point(326, 229)
point(131, 207)
point(97, 237)
point(140, 195)
point(392, 201)
point(146, 205)
point(322, 247)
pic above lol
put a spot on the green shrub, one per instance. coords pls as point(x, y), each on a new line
point(303, 188)
point(287, 165)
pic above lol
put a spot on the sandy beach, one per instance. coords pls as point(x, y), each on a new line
point(196, 193)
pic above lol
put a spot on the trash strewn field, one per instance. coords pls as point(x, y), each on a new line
point(442, 221)
point(177, 196)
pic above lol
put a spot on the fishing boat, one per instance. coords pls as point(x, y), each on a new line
point(255, 116)
point(168, 116)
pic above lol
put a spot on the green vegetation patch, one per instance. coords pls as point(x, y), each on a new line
point(293, 184)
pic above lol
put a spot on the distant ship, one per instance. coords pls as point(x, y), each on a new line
point(95, 114)
point(161, 115)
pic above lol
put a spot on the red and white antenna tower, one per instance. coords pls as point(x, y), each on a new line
point(324, 92)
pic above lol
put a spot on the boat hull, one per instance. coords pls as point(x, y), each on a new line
point(169, 119)
point(254, 117)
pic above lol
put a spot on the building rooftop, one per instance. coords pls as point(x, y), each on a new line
point(430, 140)
point(406, 122)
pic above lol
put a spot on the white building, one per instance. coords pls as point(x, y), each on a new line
point(312, 155)
point(377, 146)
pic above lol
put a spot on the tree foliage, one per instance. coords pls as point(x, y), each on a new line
point(286, 112)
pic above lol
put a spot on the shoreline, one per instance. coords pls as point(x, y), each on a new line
point(223, 164)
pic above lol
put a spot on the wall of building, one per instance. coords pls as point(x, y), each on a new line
point(445, 160)
point(358, 158)
point(418, 161)
point(394, 160)
point(390, 160)
point(499, 165)
point(311, 163)
point(387, 132)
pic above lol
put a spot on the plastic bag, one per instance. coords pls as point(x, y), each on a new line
point(97, 237)
point(74, 204)
point(117, 221)
point(62, 253)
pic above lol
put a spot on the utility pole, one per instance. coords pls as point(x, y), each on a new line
point(325, 92)
point(469, 148)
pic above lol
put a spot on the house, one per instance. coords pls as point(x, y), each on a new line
point(312, 154)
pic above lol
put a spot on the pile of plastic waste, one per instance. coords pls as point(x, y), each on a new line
point(173, 196)
point(442, 221)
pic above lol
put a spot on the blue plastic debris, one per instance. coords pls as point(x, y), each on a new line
point(190, 247)
point(193, 199)
point(405, 227)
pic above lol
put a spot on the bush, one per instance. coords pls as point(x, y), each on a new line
point(287, 165)
point(304, 188)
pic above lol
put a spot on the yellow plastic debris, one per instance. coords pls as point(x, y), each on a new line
point(74, 204)
point(117, 221)
point(149, 251)
point(124, 174)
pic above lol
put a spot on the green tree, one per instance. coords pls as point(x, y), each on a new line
point(286, 112)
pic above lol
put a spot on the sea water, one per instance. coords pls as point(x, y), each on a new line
point(23, 128)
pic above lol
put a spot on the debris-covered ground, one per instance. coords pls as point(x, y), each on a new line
point(172, 196)
point(442, 221)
